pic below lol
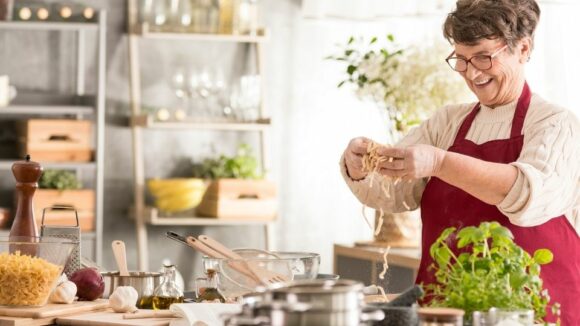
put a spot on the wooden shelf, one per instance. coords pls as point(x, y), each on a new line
point(7, 165)
point(34, 103)
point(145, 32)
point(152, 217)
point(147, 121)
point(47, 26)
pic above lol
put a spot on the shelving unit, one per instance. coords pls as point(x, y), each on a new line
point(77, 106)
point(139, 123)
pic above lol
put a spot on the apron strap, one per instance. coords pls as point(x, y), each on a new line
point(517, 122)
point(521, 110)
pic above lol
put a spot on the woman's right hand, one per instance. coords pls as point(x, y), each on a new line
point(353, 155)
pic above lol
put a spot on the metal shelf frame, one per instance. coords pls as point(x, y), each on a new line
point(78, 105)
point(140, 122)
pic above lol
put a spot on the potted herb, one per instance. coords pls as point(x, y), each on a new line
point(62, 188)
point(237, 189)
point(489, 271)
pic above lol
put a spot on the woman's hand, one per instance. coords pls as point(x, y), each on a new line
point(412, 162)
point(353, 155)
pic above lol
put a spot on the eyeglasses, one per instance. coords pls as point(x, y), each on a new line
point(481, 62)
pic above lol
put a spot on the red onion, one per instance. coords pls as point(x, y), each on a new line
point(89, 282)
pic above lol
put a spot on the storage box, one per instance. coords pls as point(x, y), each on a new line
point(238, 199)
point(83, 200)
point(55, 140)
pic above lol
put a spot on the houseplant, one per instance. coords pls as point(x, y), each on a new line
point(237, 189)
point(62, 188)
point(490, 271)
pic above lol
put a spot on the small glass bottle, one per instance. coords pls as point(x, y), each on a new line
point(210, 292)
point(440, 317)
point(167, 292)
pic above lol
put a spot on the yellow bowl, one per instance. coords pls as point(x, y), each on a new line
point(177, 194)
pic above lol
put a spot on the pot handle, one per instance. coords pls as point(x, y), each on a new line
point(372, 315)
point(245, 320)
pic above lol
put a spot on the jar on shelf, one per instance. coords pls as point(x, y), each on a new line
point(226, 15)
point(440, 317)
point(180, 15)
point(245, 18)
point(167, 293)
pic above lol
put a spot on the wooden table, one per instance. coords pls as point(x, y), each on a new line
point(365, 263)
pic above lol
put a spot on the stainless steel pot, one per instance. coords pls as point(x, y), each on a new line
point(316, 302)
point(144, 282)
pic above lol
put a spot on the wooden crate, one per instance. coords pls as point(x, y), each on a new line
point(83, 200)
point(240, 200)
point(56, 140)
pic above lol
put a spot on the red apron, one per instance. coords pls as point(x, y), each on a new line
point(444, 205)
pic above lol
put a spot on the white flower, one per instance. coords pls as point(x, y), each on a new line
point(410, 85)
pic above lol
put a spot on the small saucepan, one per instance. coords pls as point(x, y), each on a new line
point(144, 282)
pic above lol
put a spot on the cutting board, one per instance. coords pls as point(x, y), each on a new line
point(55, 310)
point(22, 321)
point(110, 318)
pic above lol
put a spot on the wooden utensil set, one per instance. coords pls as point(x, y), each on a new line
point(247, 267)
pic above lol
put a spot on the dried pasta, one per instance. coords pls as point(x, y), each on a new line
point(26, 280)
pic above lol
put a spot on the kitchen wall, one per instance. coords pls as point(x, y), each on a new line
point(313, 121)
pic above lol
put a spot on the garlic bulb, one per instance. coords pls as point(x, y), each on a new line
point(124, 299)
point(64, 292)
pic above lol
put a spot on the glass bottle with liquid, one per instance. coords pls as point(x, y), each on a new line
point(167, 292)
point(209, 292)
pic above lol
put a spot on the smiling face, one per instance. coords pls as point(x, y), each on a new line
point(503, 82)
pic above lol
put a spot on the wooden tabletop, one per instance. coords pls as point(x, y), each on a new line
point(404, 257)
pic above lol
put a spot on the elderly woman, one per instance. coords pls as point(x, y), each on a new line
point(512, 157)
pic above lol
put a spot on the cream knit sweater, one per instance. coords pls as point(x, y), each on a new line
point(548, 181)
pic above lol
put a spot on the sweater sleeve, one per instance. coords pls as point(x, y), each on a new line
point(548, 180)
point(378, 192)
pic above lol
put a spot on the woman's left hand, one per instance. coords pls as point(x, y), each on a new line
point(412, 162)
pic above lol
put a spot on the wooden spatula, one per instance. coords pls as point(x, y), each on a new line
point(120, 256)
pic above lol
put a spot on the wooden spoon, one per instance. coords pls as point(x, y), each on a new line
point(120, 257)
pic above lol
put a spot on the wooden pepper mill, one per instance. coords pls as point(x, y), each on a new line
point(27, 173)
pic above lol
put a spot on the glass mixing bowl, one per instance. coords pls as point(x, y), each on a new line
point(30, 268)
point(292, 265)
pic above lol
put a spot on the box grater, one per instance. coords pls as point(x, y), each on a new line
point(69, 232)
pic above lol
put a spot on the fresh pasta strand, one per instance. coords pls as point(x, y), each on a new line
point(365, 217)
point(380, 223)
point(382, 291)
point(385, 263)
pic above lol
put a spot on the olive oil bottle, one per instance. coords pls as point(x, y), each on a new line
point(210, 292)
point(167, 292)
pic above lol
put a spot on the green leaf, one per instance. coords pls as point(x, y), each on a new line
point(341, 83)
point(543, 256)
point(350, 40)
point(390, 37)
point(373, 40)
point(350, 69)
point(442, 256)
point(348, 52)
